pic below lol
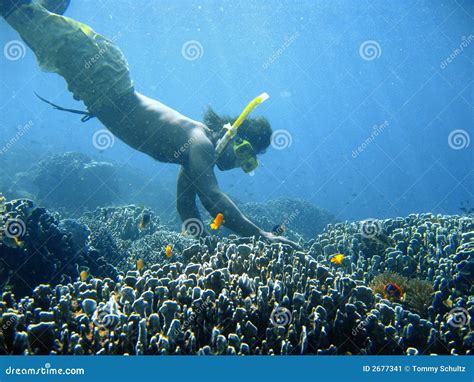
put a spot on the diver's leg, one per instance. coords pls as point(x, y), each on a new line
point(8, 6)
point(55, 6)
point(41, 30)
point(93, 67)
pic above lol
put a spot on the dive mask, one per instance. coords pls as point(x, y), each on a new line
point(243, 150)
point(245, 155)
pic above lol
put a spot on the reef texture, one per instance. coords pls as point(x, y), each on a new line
point(116, 234)
point(243, 296)
point(36, 247)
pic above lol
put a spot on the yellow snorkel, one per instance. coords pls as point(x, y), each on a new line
point(232, 129)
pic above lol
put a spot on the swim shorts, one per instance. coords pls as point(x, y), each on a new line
point(94, 68)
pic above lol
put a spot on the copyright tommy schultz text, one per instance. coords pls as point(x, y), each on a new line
point(413, 369)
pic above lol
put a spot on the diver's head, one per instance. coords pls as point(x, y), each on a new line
point(253, 137)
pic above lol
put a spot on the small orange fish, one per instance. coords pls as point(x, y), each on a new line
point(168, 251)
point(392, 290)
point(337, 259)
point(217, 221)
point(83, 275)
point(140, 264)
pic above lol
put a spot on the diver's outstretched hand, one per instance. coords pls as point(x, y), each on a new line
point(272, 238)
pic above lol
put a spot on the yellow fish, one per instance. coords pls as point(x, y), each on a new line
point(337, 259)
point(168, 251)
point(17, 241)
point(83, 275)
point(140, 264)
point(448, 302)
point(217, 221)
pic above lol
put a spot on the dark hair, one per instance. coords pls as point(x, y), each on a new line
point(256, 130)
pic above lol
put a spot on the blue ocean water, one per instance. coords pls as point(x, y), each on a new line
point(374, 98)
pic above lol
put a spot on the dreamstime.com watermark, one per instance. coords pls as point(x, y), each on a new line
point(277, 53)
point(45, 370)
point(362, 325)
point(466, 41)
point(183, 148)
point(376, 131)
point(189, 321)
point(290, 218)
point(20, 132)
point(96, 57)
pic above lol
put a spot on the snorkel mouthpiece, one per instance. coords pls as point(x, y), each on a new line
point(232, 129)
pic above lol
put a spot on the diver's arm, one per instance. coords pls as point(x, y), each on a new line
point(201, 169)
point(186, 197)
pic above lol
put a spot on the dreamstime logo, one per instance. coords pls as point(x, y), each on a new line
point(103, 139)
point(14, 228)
point(192, 50)
point(281, 316)
point(370, 228)
point(370, 50)
point(103, 318)
point(458, 317)
point(192, 227)
point(14, 50)
point(459, 139)
point(281, 139)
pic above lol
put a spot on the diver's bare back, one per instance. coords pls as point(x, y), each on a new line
point(151, 127)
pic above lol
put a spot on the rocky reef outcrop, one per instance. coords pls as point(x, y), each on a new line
point(301, 218)
point(75, 182)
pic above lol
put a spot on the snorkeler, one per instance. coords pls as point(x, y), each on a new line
point(97, 73)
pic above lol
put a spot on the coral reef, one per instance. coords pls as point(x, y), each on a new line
point(243, 296)
point(116, 235)
point(36, 247)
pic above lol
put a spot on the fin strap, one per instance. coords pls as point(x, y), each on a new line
point(86, 115)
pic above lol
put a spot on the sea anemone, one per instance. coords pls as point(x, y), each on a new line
point(417, 294)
